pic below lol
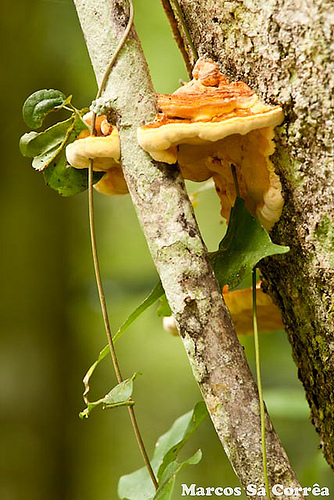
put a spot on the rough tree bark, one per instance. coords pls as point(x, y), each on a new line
point(159, 195)
point(284, 50)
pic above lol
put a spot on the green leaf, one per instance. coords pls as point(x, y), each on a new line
point(67, 180)
point(244, 245)
point(42, 161)
point(103, 353)
point(154, 295)
point(138, 485)
point(168, 479)
point(122, 392)
point(173, 441)
point(35, 144)
point(41, 103)
point(66, 102)
point(118, 396)
point(59, 175)
point(25, 141)
point(164, 308)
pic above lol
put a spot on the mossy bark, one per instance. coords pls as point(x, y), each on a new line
point(284, 51)
point(167, 218)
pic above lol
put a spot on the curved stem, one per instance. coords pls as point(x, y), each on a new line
point(113, 60)
point(107, 322)
point(98, 274)
point(117, 51)
point(259, 385)
point(96, 260)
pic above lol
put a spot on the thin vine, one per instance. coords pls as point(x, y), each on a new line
point(257, 360)
point(259, 385)
point(96, 260)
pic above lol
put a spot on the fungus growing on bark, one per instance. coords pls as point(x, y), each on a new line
point(209, 124)
point(104, 150)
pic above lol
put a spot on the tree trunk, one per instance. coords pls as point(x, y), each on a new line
point(158, 193)
point(283, 50)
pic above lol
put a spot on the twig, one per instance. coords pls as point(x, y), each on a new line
point(176, 33)
point(183, 23)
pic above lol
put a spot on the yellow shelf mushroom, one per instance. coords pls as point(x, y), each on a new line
point(104, 150)
point(209, 124)
point(206, 126)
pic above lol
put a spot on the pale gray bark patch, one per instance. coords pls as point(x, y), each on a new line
point(167, 218)
point(284, 50)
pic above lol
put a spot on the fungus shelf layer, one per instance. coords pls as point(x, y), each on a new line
point(206, 126)
point(104, 150)
point(209, 124)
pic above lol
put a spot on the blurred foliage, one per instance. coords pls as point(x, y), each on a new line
point(51, 328)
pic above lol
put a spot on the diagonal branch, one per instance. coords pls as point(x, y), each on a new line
point(167, 218)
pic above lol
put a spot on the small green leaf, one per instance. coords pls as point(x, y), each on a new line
point(118, 396)
point(138, 485)
point(154, 295)
point(42, 161)
point(66, 102)
point(65, 179)
point(25, 140)
point(103, 353)
point(168, 452)
point(164, 308)
point(34, 144)
point(168, 479)
point(41, 103)
point(122, 392)
point(59, 175)
point(244, 245)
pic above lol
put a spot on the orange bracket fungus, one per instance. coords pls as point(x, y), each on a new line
point(104, 150)
point(210, 124)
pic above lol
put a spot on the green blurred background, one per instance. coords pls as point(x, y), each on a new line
point(51, 327)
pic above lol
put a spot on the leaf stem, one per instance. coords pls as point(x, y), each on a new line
point(259, 385)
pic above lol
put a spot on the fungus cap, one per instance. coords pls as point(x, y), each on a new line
point(209, 124)
point(104, 150)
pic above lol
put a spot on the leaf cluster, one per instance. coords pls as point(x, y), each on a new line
point(138, 485)
point(48, 148)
